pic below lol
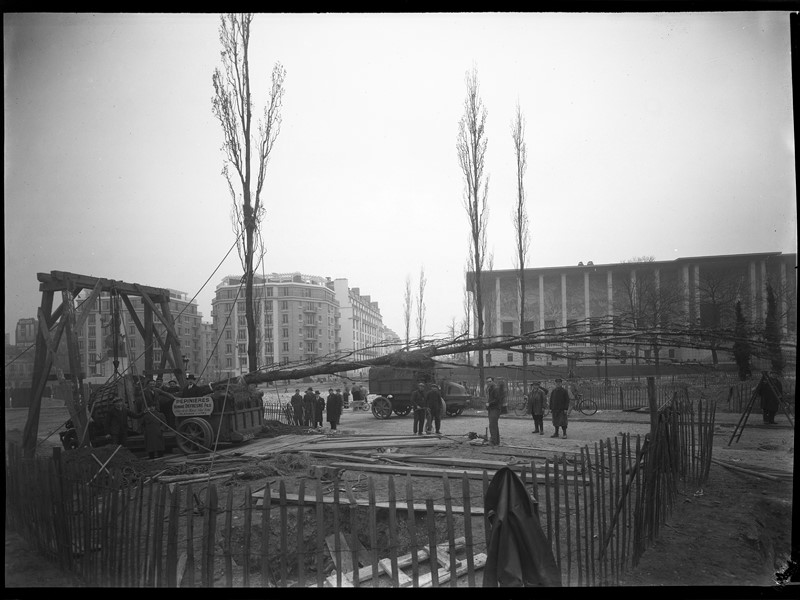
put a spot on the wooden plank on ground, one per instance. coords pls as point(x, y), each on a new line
point(343, 562)
point(291, 498)
point(357, 445)
point(474, 463)
point(418, 471)
point(402, 562)
point(479, 561)
point(322, 454)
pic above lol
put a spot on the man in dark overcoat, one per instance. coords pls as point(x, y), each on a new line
point(559, 405)
point(433, 402)
point(333, 409)
point(308, 407)
point(297, 407)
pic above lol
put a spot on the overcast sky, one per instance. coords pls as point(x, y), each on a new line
point(668, 135)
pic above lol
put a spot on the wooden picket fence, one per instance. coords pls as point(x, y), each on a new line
point(600, 509)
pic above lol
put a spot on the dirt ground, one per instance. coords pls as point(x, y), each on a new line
point(736, 531)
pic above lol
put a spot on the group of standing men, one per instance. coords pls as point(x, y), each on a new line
point(559, 407)
point(428, 405)
point(308, 408)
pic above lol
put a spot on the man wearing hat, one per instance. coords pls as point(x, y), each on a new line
point(536, 402)
point(308, 407)
point(190, 389)
point(559, 405)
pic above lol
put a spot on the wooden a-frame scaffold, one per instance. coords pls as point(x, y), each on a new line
point(67, 320)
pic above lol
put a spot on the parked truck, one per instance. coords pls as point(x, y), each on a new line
point(393, 387)
point(226, 414)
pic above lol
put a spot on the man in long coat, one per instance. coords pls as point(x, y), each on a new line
point(559, 405)
point(308, 407)
point(297, 407)
point(536, 402)
point(117, 422)
point(154, 424)
point(418, 405)
point(319, 407)
point(433, 401)
point(333, 409)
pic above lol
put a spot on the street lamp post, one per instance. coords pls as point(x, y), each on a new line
point(185, 365)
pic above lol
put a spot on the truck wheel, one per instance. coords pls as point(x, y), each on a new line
point(194, 436)
point(381, 408)
point(402, 411)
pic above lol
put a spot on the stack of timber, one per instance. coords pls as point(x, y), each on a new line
point(310, 499)
point(346, 573)
point(262, 447)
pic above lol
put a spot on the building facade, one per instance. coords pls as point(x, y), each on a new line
point(695, 291)
point(297, 322)
point(362, 325)
point(96, 340)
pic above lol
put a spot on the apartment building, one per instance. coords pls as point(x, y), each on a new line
point(700, 290)
point(362, 324)
point(297, 321)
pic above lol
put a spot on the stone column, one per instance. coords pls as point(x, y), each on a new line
point(587, 311)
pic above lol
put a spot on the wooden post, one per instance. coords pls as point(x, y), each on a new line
point(320, 534)
point(247, 526)
point(465, 487)
point(189, 569)
point(284, 534)
point(266, 504)
point(651, 398)
point(301, 495)
point(412, 531)
point(226, 545)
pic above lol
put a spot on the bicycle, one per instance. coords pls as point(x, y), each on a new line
point(521, 407)
point(585, 406)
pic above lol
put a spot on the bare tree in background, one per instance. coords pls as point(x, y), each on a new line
point(421, 306)
point(407, 304)
point(471, 148)
point(521, 230)
point(232, 105)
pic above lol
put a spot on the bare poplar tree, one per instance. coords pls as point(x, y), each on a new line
point(471, 149)
point(407, 304)
point(421, 306)
point(521, 229)
point(232, 105)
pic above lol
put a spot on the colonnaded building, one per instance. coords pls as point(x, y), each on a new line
point(694, 291)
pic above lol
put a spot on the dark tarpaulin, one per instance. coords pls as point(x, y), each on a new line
point(519, 555)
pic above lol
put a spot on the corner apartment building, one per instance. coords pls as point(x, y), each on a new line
point(362, 325)
point(700, 290)
point(297, 321)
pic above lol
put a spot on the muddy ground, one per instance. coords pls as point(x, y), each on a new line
point(736, 531)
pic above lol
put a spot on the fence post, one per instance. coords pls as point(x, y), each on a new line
point(651, 398)
point(621, 400)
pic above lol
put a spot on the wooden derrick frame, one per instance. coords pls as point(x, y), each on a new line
point(68, 320)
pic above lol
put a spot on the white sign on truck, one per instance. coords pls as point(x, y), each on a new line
point(193, 407)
